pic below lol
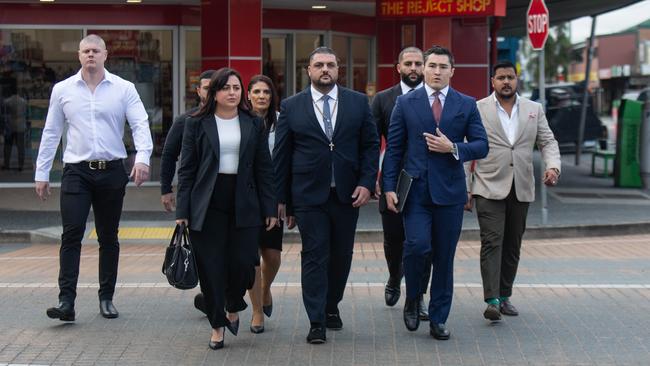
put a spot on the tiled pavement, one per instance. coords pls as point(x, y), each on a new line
point(583, 301)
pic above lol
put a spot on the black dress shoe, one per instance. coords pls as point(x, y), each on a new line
point(63, 311)
point(411, 318)
point(439, 331)
point(268, 310)
point(492, 313)
point(233, 327)
point(199, 303)
point(107, 309)
point(334, 322)
point(391, 294)
point(423, 312)
point(316, 334)
point(507, 308)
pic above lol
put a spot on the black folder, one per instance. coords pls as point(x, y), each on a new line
point(403, 187)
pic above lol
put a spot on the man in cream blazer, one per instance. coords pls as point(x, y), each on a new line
point(503, 183)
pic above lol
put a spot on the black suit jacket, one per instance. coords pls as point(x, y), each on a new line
point(382, 107)
point(172, 150)
point(197, 175)
point(302, 156)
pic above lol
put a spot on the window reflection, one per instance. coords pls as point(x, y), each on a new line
point(31, 62)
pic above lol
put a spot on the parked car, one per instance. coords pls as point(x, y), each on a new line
point(563, 108)
point(641, 95)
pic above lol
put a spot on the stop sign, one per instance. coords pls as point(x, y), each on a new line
point(537, 21)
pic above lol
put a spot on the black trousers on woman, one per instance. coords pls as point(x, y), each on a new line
point(225, 254)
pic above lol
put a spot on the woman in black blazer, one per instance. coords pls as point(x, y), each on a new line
point(225, 195)
point(264, 100)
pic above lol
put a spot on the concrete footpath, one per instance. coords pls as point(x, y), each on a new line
point(582, 301)
point(581, 205)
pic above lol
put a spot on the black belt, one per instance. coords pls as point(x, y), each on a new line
point(99, 164)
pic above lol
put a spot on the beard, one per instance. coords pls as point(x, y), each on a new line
point(324, 84)
point(410, 82)
point(508, 94)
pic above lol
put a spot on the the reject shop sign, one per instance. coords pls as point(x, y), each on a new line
point(537, 21)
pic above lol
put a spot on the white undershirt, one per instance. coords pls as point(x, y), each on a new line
point(229, 141)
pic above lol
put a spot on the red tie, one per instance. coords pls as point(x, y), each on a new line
point(437, 107)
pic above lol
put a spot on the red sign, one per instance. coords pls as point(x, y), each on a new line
point(428, 8)
point(537, 21)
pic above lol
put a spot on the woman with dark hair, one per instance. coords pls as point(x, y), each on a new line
point(264, 100)
point(224, 192)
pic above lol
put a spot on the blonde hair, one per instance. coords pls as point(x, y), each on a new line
point(94, 39)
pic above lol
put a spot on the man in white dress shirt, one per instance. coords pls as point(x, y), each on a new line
point(93, 105)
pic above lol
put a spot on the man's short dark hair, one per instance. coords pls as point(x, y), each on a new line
point(503, 64)
point(439, 50)
point(207, 74)
point(407, 50)
point(323, 50)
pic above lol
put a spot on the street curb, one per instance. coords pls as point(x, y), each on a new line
point(375, 236)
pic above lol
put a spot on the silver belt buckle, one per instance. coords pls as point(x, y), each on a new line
point(97, 164)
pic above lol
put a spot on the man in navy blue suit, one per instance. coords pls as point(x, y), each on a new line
point(326, 158)
point(435, 129)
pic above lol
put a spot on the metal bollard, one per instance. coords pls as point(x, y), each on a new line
point(644, 147)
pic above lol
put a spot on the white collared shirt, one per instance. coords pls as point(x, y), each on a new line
point(94, 121)
point(509, 123)
point(406, 88)
point(317, 97)
point(442, 96)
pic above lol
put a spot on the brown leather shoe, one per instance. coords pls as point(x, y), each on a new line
point(507, 308)
point(492, 313)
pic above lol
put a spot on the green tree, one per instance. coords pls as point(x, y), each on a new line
point(557, 53)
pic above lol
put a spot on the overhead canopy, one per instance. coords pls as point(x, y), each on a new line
point(514, 23)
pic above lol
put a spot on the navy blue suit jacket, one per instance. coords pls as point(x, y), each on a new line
point(302, 156)
point(460, 122)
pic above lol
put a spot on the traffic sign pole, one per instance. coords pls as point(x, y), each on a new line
point(537, 22)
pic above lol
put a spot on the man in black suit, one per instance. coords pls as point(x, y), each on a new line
point(173, 143)
point(326, 156)
point(409, 66)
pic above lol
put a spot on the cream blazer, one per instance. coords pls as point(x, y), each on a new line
point(493, 176)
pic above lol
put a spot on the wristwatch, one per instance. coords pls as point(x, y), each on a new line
point(454, 149)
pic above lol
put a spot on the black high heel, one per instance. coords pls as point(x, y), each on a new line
point(215, 345)
point(268, 310)
point(233, 327)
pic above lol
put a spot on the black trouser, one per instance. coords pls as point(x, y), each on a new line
point(502, 224)
point(19, 139)
point(393, 226)
point(225, 254)
point(81, 188)
point(327, 234)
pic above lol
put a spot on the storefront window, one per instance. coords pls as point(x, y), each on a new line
point(340, 46)
point(274, 62)
point(144, 57)
point(192, 67)
point(360, 63)
point(305, 43)
point(31, 62)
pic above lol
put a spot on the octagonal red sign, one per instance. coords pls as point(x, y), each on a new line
point(537, 22)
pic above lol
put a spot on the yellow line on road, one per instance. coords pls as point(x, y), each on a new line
point(140, 233)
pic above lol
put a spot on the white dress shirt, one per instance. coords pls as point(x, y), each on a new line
point(442, 96)
point(94, 121)
point(229, 141)
point(318, 105)
point(406, 88)
point(509, 122)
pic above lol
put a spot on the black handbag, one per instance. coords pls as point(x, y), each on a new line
point(180, 265)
